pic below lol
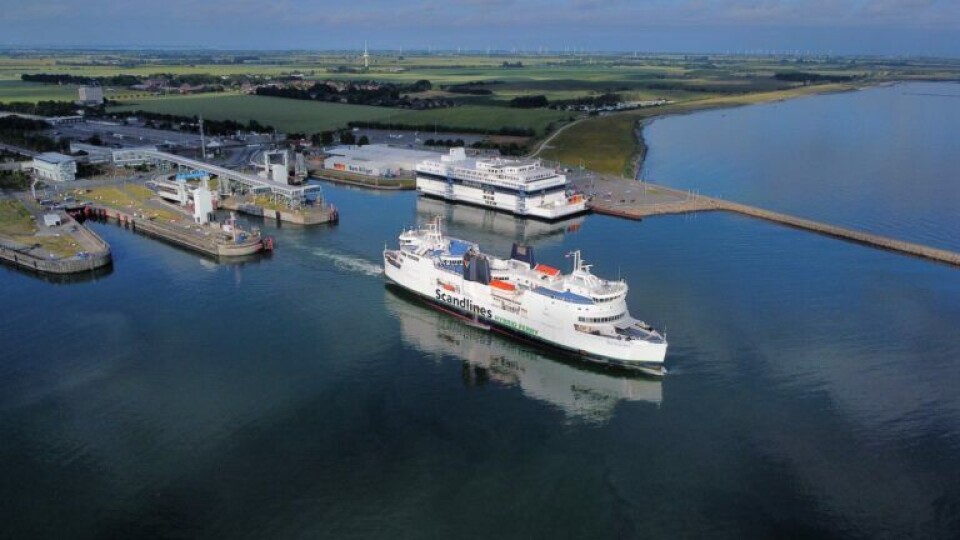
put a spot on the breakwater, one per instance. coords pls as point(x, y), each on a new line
point(637, 200)
point(859, 237)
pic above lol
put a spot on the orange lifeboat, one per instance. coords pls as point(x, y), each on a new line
point(548, 270)
point(502, 285)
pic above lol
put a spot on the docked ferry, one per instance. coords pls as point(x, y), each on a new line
point(578, 312)
point(523, 187)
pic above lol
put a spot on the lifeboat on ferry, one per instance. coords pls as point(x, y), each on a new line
point(502, 285)
point(547, 270)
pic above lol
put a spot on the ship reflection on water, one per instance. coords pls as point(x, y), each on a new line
point(582, 393)
point(495, 231)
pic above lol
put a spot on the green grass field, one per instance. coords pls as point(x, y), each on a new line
point(33, 92)
point(15, 219)
point(605, 143)
point(16, 224)
point(293, 115)
point(11, 91)
point(489, 117)
point(284, 114)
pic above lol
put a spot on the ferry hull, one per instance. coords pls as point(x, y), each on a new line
point(469, 303)
point(549, 218)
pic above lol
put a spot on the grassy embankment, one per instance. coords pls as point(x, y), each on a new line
point(130, 199)
point(17, 224)
point(609, 144)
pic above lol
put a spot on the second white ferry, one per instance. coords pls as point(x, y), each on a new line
point(525, 188)
point(577, 312)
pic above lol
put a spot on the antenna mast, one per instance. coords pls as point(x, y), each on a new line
point(203, 143)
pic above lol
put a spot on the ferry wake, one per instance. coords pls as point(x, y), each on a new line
point(578, 312)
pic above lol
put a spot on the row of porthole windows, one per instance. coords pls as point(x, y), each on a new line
point(602, 300)
point(611, 318)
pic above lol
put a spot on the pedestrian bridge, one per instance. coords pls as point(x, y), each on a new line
point(247, 182)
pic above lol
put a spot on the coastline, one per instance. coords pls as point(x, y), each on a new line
point(600, 142)
point(639, 157)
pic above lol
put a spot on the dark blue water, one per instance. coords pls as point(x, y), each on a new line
point(884, 160)
point(813, 393)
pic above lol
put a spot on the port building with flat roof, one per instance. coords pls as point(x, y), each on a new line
point(90, 95)
point(375, 160)
point(55, 167)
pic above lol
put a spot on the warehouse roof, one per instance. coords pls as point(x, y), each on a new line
point(54, 157)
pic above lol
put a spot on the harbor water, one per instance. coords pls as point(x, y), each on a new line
point(883, 160)
point(812, 393)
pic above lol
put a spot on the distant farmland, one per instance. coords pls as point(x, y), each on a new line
point(293, 115)
point(33, 92)
point(288, 115)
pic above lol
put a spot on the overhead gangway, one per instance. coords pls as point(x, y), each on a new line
point(252, 183)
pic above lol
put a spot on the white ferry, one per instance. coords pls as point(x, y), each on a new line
point(525, 188)
point(578, 312)
point(580, 391)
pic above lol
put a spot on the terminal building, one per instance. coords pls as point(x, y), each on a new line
point(120, 157)
point(95, 154)
point(55, 167)
point(90, 95)
point(378, 160)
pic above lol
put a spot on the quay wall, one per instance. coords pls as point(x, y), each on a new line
point(301, 218)
point(162, 232)
point(96, 259)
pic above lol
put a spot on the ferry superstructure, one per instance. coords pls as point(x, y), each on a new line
point(523, 187)
point(578, 312)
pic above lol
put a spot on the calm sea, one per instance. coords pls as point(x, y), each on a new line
point(883, 159)
point(813, 391)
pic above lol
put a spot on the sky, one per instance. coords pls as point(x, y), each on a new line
point(884, 27)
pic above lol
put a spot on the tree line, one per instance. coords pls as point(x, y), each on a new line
point(29, 134)
point(65, 78)
point(805, 77)
point(515, 131)
point(192, 124)
point(358, 93)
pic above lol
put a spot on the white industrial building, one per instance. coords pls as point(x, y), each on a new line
point(375, 159)
point(95, 154)
point(55, 167)
point(129, 157)
point(90, 95)
point(117, 156)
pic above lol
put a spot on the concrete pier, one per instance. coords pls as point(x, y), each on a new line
point(98, 254)
point(636, 200)
point(206, 242)
point(324, 213)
